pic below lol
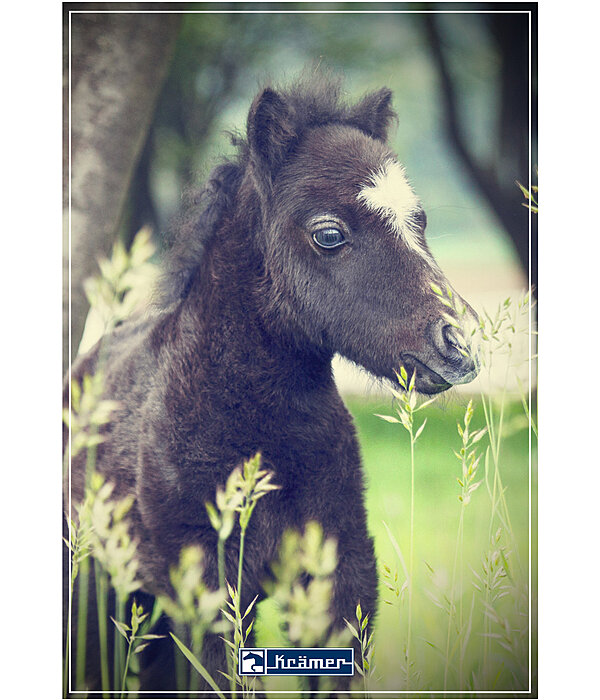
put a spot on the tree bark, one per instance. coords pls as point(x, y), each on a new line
point(117, 66)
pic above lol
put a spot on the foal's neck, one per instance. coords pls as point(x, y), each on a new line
point(242, 348)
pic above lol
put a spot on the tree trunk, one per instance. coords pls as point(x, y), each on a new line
point(118, 64)
point(496, 181)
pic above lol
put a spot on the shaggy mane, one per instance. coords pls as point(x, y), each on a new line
point(202, 211)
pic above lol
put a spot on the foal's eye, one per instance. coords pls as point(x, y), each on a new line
point(329, 237)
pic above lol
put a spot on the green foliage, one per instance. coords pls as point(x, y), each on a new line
point(194, 604)
point(89, 411)
point(244, 488)
point(197, 665)
point(530, 196)
point(123, 287)
point(364, 635)
point(304, 608)
point(136, 643)
point(195, 608)
point(486, 631)
point(468, 456)
point(111, 544)
point(407, 406)
point(101, 528)
point(124, 280)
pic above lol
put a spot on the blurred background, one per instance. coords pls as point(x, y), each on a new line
point(151, 98)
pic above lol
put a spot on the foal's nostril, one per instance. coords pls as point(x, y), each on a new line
point(450, 343)
point(457, 359)
point(451, 337)
point(454, 347)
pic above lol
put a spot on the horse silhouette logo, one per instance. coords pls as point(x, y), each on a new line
point(252, 662)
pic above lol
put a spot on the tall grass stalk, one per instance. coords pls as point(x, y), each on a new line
point(194, 608)
point(411, 558)
point(364, 636)
point(78, 544)
point(102, 607)
point(222, 519)
point(112, 296)
point(133, 639)
point(195, 662)
point(182, 669)
point(88, 413)
point(82, 625)
point(499, 333)
point(78, 551)
point(469, 465)
point(119, 646)
point(406, 408)
point(244, 488)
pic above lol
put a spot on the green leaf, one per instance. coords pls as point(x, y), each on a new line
point(228, 616)
point(413, 381)
point(352, 629)
point(451, 320)
point(198, 666)
point(426, 403)
point(476, 437)
point(420, 430)
point(213, 516)
point(523, 189)
point(134, 619)
point(250, 626)
point(228, 642)
point(389, 419)
point(122, 627)
point(249, 608)
point(396, 546)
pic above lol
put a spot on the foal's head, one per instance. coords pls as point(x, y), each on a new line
point(343, 241)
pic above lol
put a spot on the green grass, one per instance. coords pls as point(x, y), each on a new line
point(385, 451)
point(386, 456)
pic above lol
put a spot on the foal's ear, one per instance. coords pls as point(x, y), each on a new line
point(374, 113)
point(271, 131)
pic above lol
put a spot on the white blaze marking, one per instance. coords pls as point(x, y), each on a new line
point(389, 194)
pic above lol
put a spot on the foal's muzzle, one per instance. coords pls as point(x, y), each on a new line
point(456, 357)
point(450, 358)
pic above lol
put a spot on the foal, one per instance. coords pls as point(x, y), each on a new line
point(309, 243)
